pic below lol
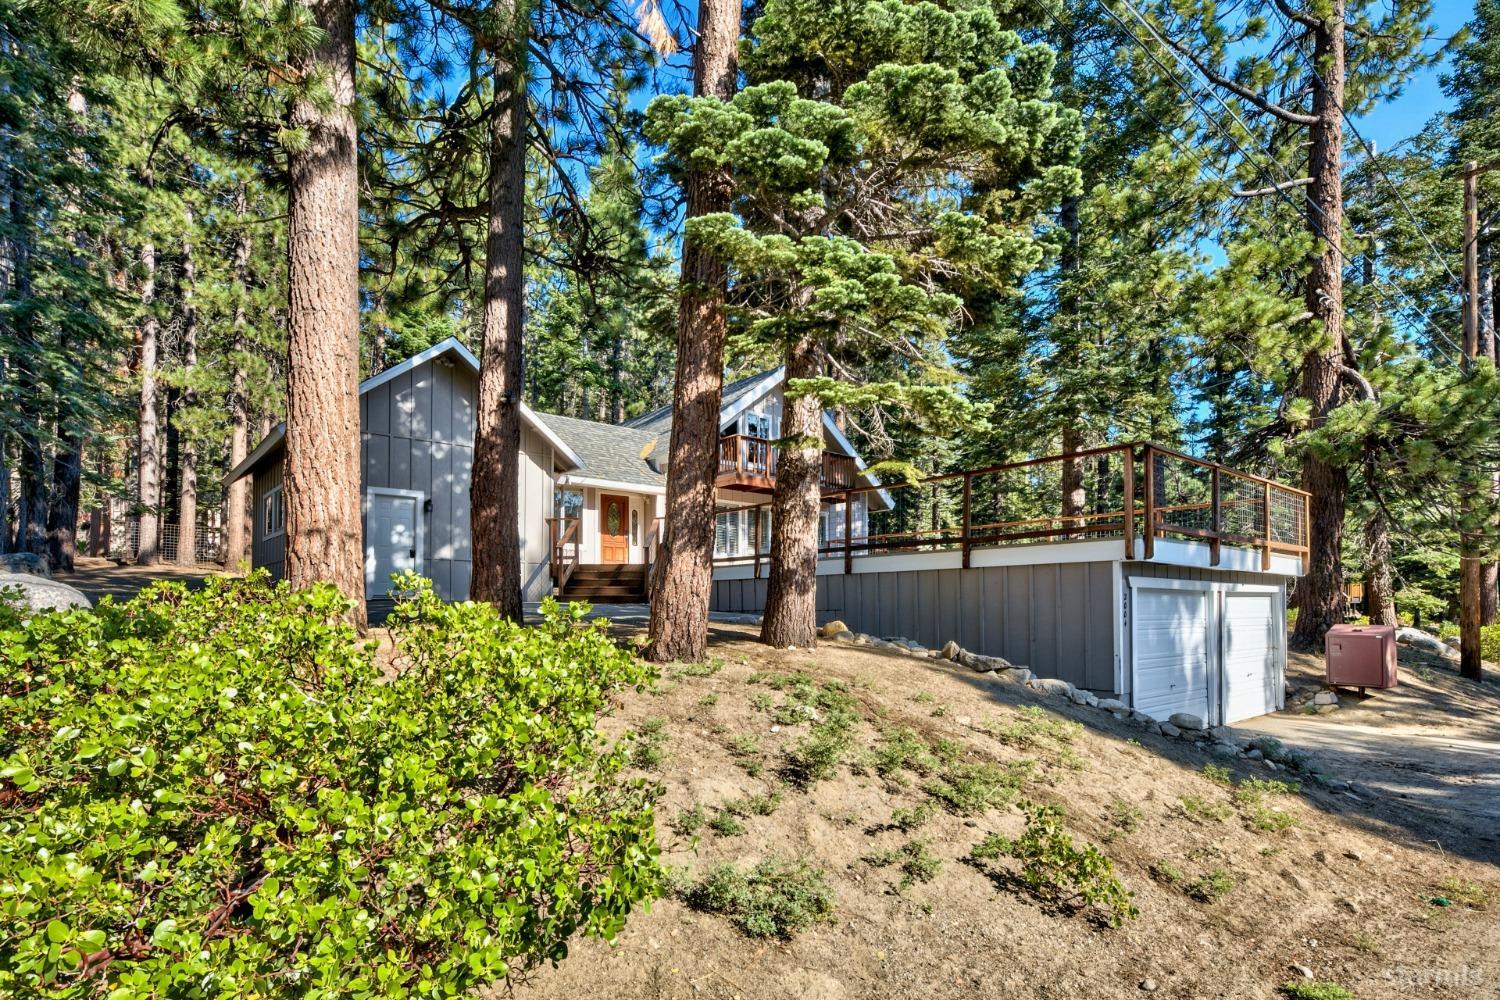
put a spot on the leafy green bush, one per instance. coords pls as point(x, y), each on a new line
point(214, 794)
point(1059, 871)
point(1306, 990)
point(775, 899)
point(1489, 643)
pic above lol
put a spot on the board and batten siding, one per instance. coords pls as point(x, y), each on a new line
point(266, 552)
point(1056, 618)
point(417, 433)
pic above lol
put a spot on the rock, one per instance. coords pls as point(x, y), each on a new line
point(1354, 855)
point(43, 594)
point(1326, 698)
point(1302, 971)
point(1425, 641)
point(1222, 749)
point(844, 636)
point(1350, 905)
point(1053, 685)
point(1255, 754)
point(1167, 729)
point(1020, 675)
point(1296, 880)
point(1148, 985)
point(1186, 720)
point(1078, 697)
point(1110, 705)
point(950, 650)
point(833, 628)
point(1091, 699)
point(1456, 641)
point(1154, 729)
point(25, 564)
point(1390, 715)
point(1325, 709)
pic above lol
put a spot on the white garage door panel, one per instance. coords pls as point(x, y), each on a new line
point(1250, 654)
point(1170, 648)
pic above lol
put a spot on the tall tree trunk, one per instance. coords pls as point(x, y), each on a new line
point(62, 509)
point(1489, 582)
point(31, 503)
point(617, 378)
point(237, 495)
point(1380, 596)
point(323, 529)
point(791, 616)
point(187, 483)
point(148, 438)
point(495, 494)
point(684, 574)
point(1320, 592)
point(1074, 496)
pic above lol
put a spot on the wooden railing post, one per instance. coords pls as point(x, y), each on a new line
point(848, 532)
point(1265, 527)
point(1129, 489)
point(968, 519)
point(1150, 501)
point(1215, 516)
point(755, 537)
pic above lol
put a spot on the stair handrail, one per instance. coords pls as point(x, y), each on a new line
point(563, 530)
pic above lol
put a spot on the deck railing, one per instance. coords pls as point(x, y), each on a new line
point(566, 549)
point(751, 461)
point(1124, 492)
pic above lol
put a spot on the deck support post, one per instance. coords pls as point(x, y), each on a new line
point(1128, 527)
point(1150, 500)
point(755, 536)
point(1215, 511)
point(968, 542)
point(848, 532)
point(1265, 525)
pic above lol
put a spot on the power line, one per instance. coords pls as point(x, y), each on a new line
point(1239, 148)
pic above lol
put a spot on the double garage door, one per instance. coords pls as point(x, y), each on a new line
point(1214, 650)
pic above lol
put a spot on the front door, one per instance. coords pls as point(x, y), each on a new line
point(391, 543)
point(614, 525)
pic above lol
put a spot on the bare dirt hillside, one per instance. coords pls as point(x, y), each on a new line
point(1237, 884)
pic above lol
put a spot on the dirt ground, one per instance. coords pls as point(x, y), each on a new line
point(1428, 748)
point(98, 577)
point(1346, 892)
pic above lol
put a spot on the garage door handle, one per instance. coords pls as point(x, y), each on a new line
point(412, 553)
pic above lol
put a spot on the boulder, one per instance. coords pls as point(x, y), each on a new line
point(1186, 720)
point(1053, 685)
point(844, 636)
point(1019, 675)
point(25, 564)
point(1110, 705)
point(832, 629)
point(1425, 641)
point(1167, 729)
point(950, 650)
point(1326, 698)
point(41, 594)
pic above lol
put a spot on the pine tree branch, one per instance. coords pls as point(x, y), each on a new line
point(1276, 188)
point(1239, 90)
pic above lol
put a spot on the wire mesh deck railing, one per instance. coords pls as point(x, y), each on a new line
point(1125, 492)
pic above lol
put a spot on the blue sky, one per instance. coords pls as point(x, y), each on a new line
point(1404, 117)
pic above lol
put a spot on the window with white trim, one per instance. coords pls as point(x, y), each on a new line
point(273, 514)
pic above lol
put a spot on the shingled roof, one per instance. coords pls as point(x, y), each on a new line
point(617, 454)
point(745, 389)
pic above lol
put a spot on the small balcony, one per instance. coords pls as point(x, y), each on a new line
point(749, 464)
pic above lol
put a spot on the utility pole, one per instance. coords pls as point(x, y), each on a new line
point(1471, 569)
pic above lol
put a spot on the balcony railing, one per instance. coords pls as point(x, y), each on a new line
point(749, 463)
point(1125, 492)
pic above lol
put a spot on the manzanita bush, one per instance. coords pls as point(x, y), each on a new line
point(216, 794)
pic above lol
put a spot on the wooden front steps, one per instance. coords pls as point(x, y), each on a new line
point(609, 583)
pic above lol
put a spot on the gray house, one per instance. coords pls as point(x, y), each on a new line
point(591, 494)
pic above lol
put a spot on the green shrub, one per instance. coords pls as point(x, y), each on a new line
point(776, 898)
point(213, 793)
point(1489, 643)
point(1059, 871)
point(1210, 887)
point(1301, 989)
point(917, 863)
point(968, 789)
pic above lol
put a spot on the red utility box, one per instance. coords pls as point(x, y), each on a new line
point(1362, 656)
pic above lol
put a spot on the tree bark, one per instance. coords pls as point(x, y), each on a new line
point(791, 616)
point(1320, 597)
point(1380, 597)
point(148, 438)
point(495, 496)
point(187, 483)
point(62, 508)
point(237, 496)
point(684, 574)
point(1074, 496)
point(323, 529)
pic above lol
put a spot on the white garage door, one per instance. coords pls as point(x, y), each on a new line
point(1251, 651)
point(1170, 651)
